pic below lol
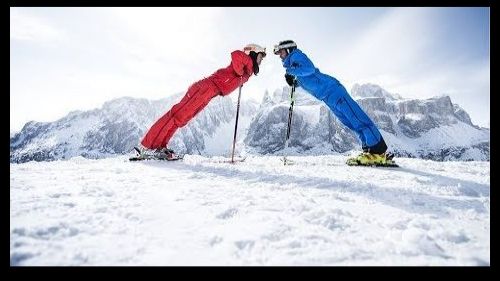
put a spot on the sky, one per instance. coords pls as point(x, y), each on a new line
point(77, 58)
point(104, 212)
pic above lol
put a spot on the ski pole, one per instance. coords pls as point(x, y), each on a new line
point(290, 111)
point(236, 124)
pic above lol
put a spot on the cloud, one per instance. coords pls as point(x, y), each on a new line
point(169, 34)
point(26, 27)
point(394, 44)
point(165, 42)
point(405, 52)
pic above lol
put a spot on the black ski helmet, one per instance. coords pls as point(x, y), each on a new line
point(289, 45)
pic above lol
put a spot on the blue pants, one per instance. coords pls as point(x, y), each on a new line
point(352, 116)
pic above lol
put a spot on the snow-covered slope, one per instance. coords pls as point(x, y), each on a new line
point(259, 212)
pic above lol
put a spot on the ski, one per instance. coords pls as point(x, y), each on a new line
point(142, 158)
point(388, 165)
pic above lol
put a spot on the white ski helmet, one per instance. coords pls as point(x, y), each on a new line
point(254, 47)
point(287, 44)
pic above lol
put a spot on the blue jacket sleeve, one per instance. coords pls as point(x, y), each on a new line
point(300, 65)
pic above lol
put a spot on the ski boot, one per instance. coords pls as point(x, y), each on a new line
point(158, 154)
point(372, 159)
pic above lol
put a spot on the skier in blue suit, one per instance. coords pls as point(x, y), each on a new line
point(301, 71)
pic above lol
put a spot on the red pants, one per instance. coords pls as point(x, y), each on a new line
point(197, 97)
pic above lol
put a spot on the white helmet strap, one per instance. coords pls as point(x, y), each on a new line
point(277, 48)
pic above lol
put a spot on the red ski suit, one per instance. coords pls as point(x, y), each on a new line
point(199, 94)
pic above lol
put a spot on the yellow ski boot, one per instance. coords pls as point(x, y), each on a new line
point(372, 159)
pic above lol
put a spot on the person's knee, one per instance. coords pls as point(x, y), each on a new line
point(181, 119)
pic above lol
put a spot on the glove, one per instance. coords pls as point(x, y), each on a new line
point(290, 79)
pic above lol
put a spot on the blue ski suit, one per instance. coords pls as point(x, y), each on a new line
point(329, 90)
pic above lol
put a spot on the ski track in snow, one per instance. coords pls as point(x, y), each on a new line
point(258, 212)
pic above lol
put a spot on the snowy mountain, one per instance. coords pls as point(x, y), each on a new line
point(121, 123)
point(434, 128)
point(113, 212)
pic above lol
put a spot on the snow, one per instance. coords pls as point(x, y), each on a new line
point(444, 136)
point(414, 116)
point(73, 133)
point(258, 212)
point(221, 143)
point(453, 134)
point(311, 113)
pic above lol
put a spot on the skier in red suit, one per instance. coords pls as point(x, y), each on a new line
point(222, 82)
